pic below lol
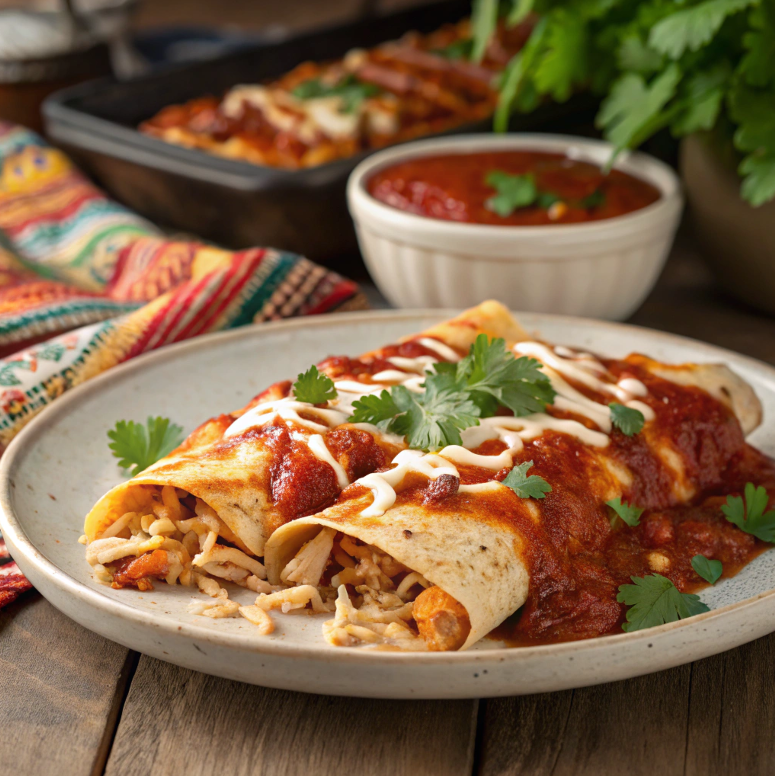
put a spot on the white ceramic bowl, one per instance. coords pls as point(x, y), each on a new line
point(600, 269)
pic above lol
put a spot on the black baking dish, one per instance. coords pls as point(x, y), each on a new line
point(236, 204)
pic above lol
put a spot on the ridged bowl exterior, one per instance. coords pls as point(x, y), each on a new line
point(603, 269)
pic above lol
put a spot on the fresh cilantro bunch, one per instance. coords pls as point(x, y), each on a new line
point(457, 395)
point(688, 66)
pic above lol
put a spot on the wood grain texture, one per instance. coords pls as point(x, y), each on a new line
point(637, 727)
point(60, 692)
point(177, 722)
point(732, 713)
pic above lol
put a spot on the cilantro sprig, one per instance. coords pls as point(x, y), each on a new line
point(457, 395)
point(314, 387)
point(493, 376)
point(351, 91)
point(707, 569)
point(654, 600)
point(513, 192)
point(524, 486)
point(137, 446)
point(628, 420)
point(629, 513)
point(749, 515)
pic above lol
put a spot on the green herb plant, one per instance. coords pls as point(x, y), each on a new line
point(683, 65)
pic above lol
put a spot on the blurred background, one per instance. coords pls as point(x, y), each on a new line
point(684, 82)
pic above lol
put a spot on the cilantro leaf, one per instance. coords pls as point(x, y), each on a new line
point(691, 28)
point(484, 20)
point(709, 570)
point(313, 387)
point(654, 600)
point(759, 182)
point(374, 409)
point(137, 446)
point(633, 110)
point(513, 192)
point(700, 100)
point(351, 91)
point(546, 199)
point(758, 64)
point(459, 49)
point(636, 55)
point(629, 513)
point(490, 370)
point(749, 516)
point(596, 199)
point(752, 110)
point(524, 486)
point(565, 59)
point(628, 420)
point(433, 419)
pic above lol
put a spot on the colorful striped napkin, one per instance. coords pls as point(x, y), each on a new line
point(86, 284)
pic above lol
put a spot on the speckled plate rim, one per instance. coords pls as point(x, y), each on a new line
point(37, 567)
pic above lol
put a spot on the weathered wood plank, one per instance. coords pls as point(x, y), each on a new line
point(634, 727)
point(522, 735)
point(60, 692)
point(732, 713)
point(177, 721)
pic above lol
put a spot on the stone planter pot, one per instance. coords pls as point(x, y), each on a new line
point(737, 240)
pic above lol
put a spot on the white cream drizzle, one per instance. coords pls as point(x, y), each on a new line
point(287, 409)
point(462, 455)
point(582, 367)
point(383, 485)
point(445, 351)
point(419, 365)
point(559, 364)
point(318, 448)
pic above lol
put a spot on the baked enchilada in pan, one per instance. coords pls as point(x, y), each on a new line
point(318, 112)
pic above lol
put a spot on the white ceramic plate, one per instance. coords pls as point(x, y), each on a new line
point(57, 468)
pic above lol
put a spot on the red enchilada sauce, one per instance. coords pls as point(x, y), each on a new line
point(454, 187)
point(576, 558)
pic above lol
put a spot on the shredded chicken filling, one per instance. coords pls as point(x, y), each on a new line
point(376, 601)
point(180, 539)
point(379, 601)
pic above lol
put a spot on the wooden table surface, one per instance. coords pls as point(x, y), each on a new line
point(73, 704)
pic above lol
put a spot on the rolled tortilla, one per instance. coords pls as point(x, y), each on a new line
point(472, 550)
point(233, 475)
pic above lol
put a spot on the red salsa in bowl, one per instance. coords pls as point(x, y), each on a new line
point(510, 188)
